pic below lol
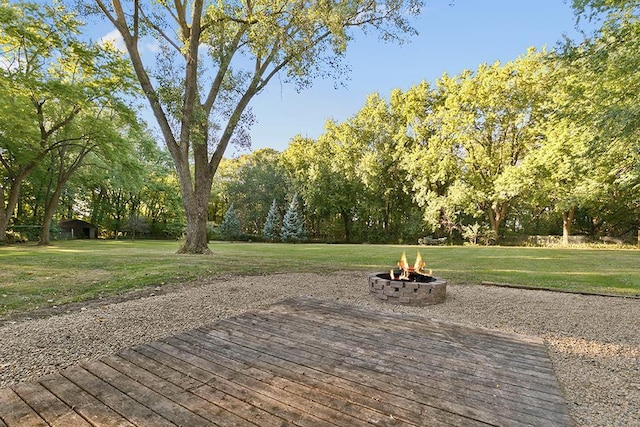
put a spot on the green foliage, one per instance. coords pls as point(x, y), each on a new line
point(230, 227)
point(603, 96)
point(252, 181)
point(292, 229)
point(59, 102)
point(271, 229)
point(480, 127)
point(545, 144)
point(352, 178)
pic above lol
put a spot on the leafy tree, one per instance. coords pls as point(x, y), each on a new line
point(136, 180)
point(248, 44)
point(430, 165)
point(557, 172)
point(369, 150)
point(49, 80)
point(160, 196)
point(306, 170)
point(293, 223)
point(606, 95)
point(482, 127)
point(220, 200)
point(325, 174)
point(97, 134)
point(270, 231)
point(338, 175)
point(230, 227)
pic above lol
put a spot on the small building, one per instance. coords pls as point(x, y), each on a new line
point(78, 229)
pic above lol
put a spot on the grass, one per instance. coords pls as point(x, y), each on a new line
point(34, 277)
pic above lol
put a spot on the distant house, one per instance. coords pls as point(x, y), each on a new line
point(78, 229)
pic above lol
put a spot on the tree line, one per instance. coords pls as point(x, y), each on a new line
point(547, 144)
point(544, 144)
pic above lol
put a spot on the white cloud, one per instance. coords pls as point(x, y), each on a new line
point(115, 38)
point(152, 46)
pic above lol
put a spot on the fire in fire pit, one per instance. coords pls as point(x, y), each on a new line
point(407, 272)
point(410, 285)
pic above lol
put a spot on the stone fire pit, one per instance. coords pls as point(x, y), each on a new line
point(426, 291)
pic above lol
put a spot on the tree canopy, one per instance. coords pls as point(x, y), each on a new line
point(216, 56)
point(60, 99)
point(544, 144)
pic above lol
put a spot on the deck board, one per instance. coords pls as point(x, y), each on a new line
point(438, 371)
point(14, 410)
point(305, 362)
point(53, 411)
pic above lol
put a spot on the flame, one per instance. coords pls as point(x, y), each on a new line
point(419, 264)
point(406, 269)
point(403, 263)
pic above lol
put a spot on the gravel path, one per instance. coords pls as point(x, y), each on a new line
point(593, 342)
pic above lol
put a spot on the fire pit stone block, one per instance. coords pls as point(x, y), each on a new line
point(406, 292)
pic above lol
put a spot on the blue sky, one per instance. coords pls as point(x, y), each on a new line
point(451, 39)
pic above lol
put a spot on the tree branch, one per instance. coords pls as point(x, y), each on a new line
point(222, 71)
point(191, 76)
point(161, 32)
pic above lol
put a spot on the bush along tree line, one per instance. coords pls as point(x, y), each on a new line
point(546, 144)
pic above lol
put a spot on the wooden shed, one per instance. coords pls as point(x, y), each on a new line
point(78, 229)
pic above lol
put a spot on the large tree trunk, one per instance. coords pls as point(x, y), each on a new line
point(49, 211)
point(567, 221)
point(497, 215)
point(4, 222)
point(8, 203)
point(4, 216)
point(346, 221)
point(196, 193)
point(196, 236)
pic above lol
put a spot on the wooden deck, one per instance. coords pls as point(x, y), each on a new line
point(305, 362)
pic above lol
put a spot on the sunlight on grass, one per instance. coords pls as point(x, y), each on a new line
point(71, 270)
point(520, 257)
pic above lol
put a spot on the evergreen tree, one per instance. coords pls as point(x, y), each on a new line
point(270, 229)
point(293, 223)
point(230, 227)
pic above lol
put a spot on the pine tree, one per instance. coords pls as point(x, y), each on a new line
point(271, 223)
point(230, 227)
point(293, 223)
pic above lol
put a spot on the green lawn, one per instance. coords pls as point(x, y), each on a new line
point(32, 277)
